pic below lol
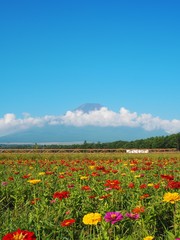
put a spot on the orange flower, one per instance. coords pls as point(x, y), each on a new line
point(138, 209)
point(34, 201)
point(146, 195)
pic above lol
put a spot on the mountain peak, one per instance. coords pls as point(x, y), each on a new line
point(88, 107)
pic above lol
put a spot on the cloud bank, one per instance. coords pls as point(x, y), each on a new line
point(102, 118)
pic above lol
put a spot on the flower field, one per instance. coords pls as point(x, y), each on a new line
point(89, 196)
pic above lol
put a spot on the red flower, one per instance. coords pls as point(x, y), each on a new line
point(131, 185)
point(146, 195)
point(86, 188)
point(11, 178)
point(20, 235)
point(143, 186)
point(34, 201)
point(134, 169)
point(49, 173)
point(173, 184)
point(156, 186)
point(167, 177)
point(100, 168)
point(61, 176)
point(26, 176)
point(95, 174)
point(67, 222)
point(104, 196)
point(113, 184)
point(92, 196)
point(61, 195)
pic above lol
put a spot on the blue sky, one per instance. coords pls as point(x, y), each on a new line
point(56, 55)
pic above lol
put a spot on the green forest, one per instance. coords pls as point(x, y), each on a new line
point(159, 142)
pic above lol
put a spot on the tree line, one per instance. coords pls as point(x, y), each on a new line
point(163, 142)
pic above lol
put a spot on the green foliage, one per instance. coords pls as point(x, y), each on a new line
point(159, 142)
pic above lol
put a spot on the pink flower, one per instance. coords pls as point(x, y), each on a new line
point(4, 183)
point(133, 216)
point(113, 217)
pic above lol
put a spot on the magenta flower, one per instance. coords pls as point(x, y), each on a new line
point(133, 216)
point(4, 183)
point(113, 217)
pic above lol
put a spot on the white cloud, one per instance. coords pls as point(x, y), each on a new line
point(103, 117)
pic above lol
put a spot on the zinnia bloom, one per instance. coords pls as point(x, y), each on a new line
point(173, 184)
point(41, 173)
point(171, 197)
point(113, 184)
point(146, 195)
point(84, 177)
point(131, 185)
point(92, 218)
point(138, 209)
point(91, 167)
point(20, 235)
point(143, 186)
point(113, 217)
point(86, 188)
point(61, 195)
point(4, 183)
point(67, 222)
point(156, 186)
point(167, 177)
point(34, 201)
point(34, 181)
point(133, 216)
point(148, 238)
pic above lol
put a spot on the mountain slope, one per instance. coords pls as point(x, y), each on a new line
point(64, 133)
point(74, 134)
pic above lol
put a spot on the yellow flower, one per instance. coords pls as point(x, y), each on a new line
point(150, 184)
point(41, 173)
point(92, 218)
point(148, 238)
point(83, 177)
point(34, 181)
point(137, 176)
point(92, 167)
point(171, 197)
